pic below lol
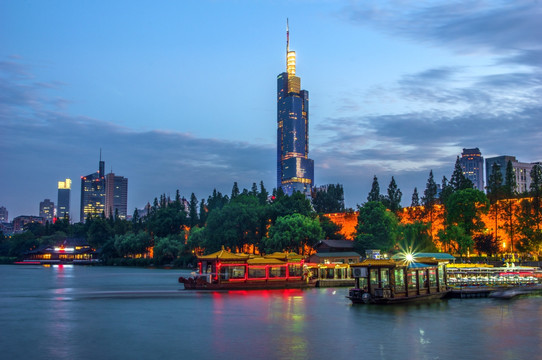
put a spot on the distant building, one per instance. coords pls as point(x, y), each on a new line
point(116, 196)
point(472, 164)
point(21, 221)
point(63, 201)
point(522, 170)
point(295, 171)
point(93, 193)
point(47, 210)
point(3, 214)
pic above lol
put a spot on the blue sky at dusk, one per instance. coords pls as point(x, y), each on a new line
point(182, 94)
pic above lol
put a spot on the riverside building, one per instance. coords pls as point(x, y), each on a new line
point(295, 171)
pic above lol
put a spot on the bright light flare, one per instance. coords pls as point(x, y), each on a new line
point(409, 257)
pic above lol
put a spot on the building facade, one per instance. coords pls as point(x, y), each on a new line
point(116, 196)
point(47, 210)
point(63, 200)
point(93, 193)
point(472, 164)
point(20, 222)
point(521, 170)
point(295, 171)
point(3, 214)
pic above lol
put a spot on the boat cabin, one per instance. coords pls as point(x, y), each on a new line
point(388, 280)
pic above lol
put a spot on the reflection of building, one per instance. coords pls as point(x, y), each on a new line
point(63, 201)
point(3, 214)
point(295, 171)
point(47, 210)
point(116, 195)
point(21, 221)
point(93, 193)
point(522, 171)
point(472, 164)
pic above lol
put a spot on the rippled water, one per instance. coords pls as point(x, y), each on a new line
point(77, 312)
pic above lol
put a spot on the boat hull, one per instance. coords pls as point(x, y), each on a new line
point(397, 300)
point(190, 284)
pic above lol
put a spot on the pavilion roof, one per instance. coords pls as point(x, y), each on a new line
point(224, 255)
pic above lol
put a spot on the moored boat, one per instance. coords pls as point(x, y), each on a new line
point(386, 281)
point(224, 270)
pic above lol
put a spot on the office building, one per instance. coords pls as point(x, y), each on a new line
point(472, 164)
point(47, 210)
point(116, 195)
point(63, 200)
point(93, 193)
point(295, 171)
point(521, 170)
point(3, 214)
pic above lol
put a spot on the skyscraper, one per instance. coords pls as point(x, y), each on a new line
point(93, 193)
point(472, 164)
point(63, 201)
point(116, 195)
point(47, 210)
point(3, 214)
point(295, 171)
point(522, 170)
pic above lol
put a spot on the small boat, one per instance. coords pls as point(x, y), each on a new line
point(224, 270)
point(388, 281)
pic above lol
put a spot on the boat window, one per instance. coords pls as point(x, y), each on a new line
point(423, 278)
point(374, 277)
point(399, 280)
point(330, 273)
point(277, 271)
point(294, 269)
point(441, 274)
point(411, 278)
point(433, 277)
point(232, 272)
point(385, 277)
point(256, 272)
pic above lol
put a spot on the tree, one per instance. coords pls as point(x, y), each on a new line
point(376, 229)
point(415, 198)
point(288, 205)
point(234, 190)
point(193, 210)
point(486, 243)
point(393, 199)
point(99, 232)
point(429, 200)
point(459, 181)
point(415, 238)
point(464, 209)
point(167, 249)
point(329, 200)
point(202, 213)
point(263, 194)
point(494, 194)
point(455, 234)
point(509, 208)
point(446, 190)
point(293, 232)
point(374, 194)
point(330, 229)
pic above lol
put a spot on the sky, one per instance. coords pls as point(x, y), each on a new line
point(182, 94)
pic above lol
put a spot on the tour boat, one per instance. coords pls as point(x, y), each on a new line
point(386, 281)
point(224, 270)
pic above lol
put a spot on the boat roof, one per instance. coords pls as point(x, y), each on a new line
point(438, 256)
point(224, 255)
point(264, 261)
point(337, 254)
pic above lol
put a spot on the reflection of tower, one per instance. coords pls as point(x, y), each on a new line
point(63, 201)
point(295, 171)
point(93, 193)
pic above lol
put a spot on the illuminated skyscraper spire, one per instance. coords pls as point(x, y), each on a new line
point(290, 55)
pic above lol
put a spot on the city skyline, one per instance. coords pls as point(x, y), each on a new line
point(397, 89)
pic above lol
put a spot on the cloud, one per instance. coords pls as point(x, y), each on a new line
point(41, 146)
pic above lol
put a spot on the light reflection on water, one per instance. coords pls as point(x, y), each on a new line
point(117, 313)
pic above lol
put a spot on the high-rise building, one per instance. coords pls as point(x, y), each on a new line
point(521, 170)
point(63, 201)
point(116, 195)
point(3, 214)
point(295, 171)
point(472, 164)
point(47, 210)
point(93, 193)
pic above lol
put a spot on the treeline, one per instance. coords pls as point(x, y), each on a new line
point(451, 219)
point(245, 221)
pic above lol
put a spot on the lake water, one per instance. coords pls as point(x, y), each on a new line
point(79, 312)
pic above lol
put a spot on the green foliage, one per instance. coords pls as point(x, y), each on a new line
point(330, 200)
point(376, 229)
point(131, 244)
point(486, 243)
point(330, 229)
point(454, 237)
point(464, 209)
point(293, 233)
point(415, 198)
point(459, 181)
point(167, 249)
point(415, 237)
point(99, 232)
point(193, 211)
point(393, 199)
point(374, 194)
point(284, 205)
